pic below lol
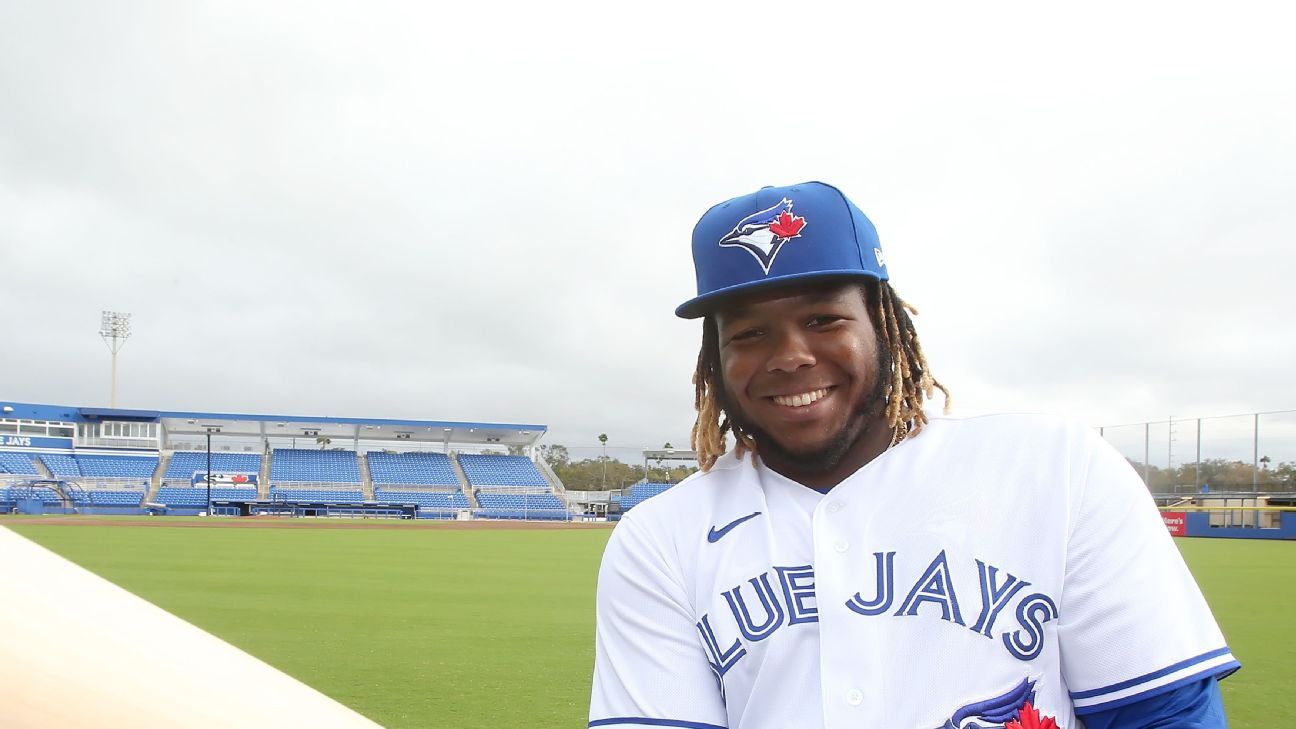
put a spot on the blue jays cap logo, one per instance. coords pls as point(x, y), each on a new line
point(763, 233)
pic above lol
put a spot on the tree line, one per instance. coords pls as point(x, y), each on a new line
point(1221, 475)
point(604, 473)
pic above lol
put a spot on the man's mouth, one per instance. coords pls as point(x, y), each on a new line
point(801, 399)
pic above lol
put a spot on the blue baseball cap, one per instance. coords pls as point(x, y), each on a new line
point(778, 236)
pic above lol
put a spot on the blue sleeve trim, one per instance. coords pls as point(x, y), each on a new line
point(1219, 672)
point(1195, 705)
point(1150, 676)
point(645, 721)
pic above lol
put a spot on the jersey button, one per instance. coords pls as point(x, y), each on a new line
point(842, 546)
point(834, 507)
point(854, 697)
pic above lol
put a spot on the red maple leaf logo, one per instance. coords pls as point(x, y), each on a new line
point(1029, 718)
point(787, 225)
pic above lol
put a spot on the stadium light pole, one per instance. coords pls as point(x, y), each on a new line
point(115, 329)
point(209, 435)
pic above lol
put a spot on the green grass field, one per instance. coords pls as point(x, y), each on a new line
point(495, 628)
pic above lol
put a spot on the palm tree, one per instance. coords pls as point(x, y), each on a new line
point(603, 440)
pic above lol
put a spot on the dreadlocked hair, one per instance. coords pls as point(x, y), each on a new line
point(909, 381)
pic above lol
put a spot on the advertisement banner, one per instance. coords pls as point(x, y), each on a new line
point(225, 479)
point(1176, 522)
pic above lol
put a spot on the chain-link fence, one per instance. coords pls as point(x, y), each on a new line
point(1254, 452)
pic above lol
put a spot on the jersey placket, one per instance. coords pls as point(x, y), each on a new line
point(848, 670)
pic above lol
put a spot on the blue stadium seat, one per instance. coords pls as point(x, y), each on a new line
point(330, 496)
point(14, 493)
point(61, 466)
point(312, 466)
point(18, 463)
point(184, 464)
point(520, 506)
point(425, 499)
point(411, 469)
point(104, 497)
point(487, 470)
point(641, 492)
point(117, 466)
point(185, 497)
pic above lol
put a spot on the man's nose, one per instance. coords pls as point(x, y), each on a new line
point(791, 352)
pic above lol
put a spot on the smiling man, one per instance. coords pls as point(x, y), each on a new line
point(855, 561)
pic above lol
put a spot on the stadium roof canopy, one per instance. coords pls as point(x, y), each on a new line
point(198, 423)
point(669, 454)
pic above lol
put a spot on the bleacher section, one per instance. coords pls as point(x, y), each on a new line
point(327, 496)
point(191, 498)
point(140, 467)
point(520, 506)
point(411, 469)
point(301, 465)
point(46, 495)
point(104, 497)
point(641, 492)
point(185, 463)
point(485, 471)
point(429, 499)
point(432, 504)
point(61, 466)
point(19, 463)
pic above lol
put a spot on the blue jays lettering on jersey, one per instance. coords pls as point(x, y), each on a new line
point(970, 577)
point(764, 233)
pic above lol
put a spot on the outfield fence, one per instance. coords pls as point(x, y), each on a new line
point(1245, 519)
point(1247, 452)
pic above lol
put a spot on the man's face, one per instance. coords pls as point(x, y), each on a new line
point(802, 373)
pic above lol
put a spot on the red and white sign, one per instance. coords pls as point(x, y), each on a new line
point(1176, 522)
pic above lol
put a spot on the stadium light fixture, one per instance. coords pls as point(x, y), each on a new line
point(210, 429)
point(115, 329)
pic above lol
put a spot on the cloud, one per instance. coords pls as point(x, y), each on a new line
point(482, 213)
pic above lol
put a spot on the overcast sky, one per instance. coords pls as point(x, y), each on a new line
point(481, 211)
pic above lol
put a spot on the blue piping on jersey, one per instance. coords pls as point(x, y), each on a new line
point(1149, 676)
point(1222, 671)
point(645, 721)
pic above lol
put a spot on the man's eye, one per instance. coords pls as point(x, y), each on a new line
point(824, 320)
point(745, 334)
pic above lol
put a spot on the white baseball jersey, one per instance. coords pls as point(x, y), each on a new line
point(988, 563)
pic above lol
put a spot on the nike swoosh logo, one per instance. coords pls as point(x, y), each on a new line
point(716, 535)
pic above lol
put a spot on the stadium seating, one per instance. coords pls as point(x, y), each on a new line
point(641, 492)
point(311, 466)
point(330, 496)
point(141, 467)
point(19, 463)
point(428, 499)
point(105, 497)
point(411, 469)
point(487, 471)
point(61, 466)
point(520, 506)
point(185, 497)
point(14, 493)
point(184, 464)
